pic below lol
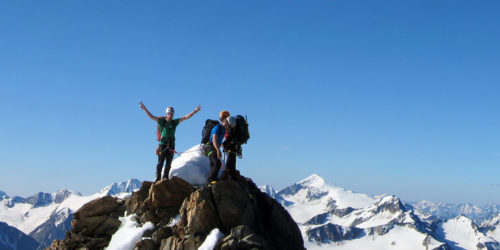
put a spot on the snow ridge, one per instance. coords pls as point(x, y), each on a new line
point(334, 218)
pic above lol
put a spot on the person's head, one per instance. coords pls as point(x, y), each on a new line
point(169, 113)
point(223, 115)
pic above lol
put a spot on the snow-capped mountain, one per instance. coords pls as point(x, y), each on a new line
point(448, 211)
point(46, 217)
point(462, 233)
point(54, 228)
point(491, 227)
point(334, 218)
point(329, 217)
point(11, 239)
point(122, 187)
point(313, 196)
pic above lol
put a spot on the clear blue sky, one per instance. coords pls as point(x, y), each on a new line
point(397, 97)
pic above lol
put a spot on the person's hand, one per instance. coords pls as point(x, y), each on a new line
point(197, 108)
point(142, 105)
point(219, 154)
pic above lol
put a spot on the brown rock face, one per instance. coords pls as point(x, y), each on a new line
point(168, 193)
point(198, 213)
point(93, 224)
point(249, 218)
point(147, 244)
point(235, 205)
point(137, 198)
point(257, 212)
point(103, 206)
point(242, 237)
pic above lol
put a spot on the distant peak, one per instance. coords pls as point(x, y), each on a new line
point(313, 180)
point(127, 186)
point(426, 202)
point(267, 189)
point(389, 198)
point(67, 191)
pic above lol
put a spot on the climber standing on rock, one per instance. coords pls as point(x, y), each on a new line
point(212, 148)
point(238, 134)
point(166, 147)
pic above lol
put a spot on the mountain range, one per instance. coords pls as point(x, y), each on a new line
point(329, 217)
point(334, 218)
point(45, 217)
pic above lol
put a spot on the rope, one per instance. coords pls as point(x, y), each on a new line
point(179, 153)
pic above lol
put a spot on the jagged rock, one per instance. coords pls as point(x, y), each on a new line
point(335, 233)
point(93, 225)
point(242, 237)
point(341, 212)
point(234, 204)
point(164, 198)
point(98, 217)
point(150, 216)
point(160, 234)
point(392, 205)
point(76, 241)
point(318, 219)
point(168, 193)
point(250, 218)
point(174, 243)
point(237, 203)
point(380, 230)
point(137, 198)
point(148, 233)
point(166, 214)
point(102, 206)
point(96, 225)
point(147, 244)
point(323, 217)
point(62, 195)
point(39, 200)
point(198, 214)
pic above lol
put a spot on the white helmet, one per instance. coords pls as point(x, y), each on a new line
point(170, 110)
point(231, 121)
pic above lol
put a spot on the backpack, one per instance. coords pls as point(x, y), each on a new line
point(241, 133)
point(207, 130)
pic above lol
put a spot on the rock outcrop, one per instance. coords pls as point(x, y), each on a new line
point(184, 215)
point(93, 224)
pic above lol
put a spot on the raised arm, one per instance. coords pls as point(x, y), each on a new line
point(190, 114)
point(154, 118)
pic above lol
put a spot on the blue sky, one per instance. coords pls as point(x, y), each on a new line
point(396, 97)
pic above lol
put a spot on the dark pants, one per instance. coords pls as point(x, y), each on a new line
point(215, 165)
point(164, 153)
point(230, 171)
point(231, 163)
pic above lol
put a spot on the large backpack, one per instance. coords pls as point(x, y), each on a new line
point(207, 130)
point(241, 133)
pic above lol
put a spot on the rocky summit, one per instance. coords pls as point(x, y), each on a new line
point(247, 217)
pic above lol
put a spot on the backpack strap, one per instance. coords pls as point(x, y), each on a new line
point(158, 133)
